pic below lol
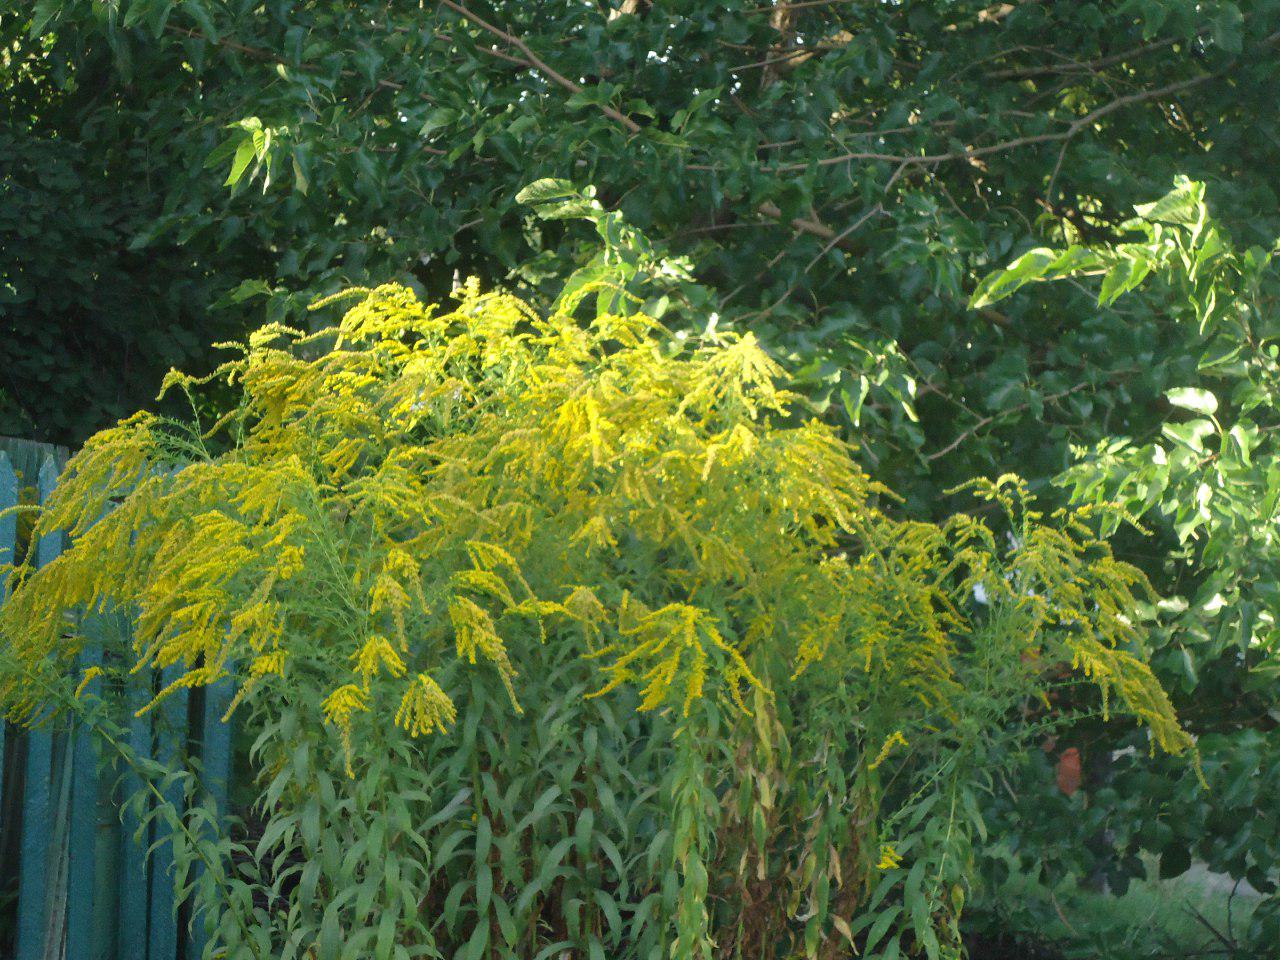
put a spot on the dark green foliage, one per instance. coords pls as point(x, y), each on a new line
point(412, 131)
point(91, 313)
point(88, 324)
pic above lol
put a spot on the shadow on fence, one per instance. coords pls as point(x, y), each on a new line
point(85, 875)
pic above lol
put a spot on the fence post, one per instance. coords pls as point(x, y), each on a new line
point(33, 887)
point(134, 872)
point(82, 872)
point(171, 728)
point(215, 760)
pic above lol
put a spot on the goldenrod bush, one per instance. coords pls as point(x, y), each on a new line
point(556, 636)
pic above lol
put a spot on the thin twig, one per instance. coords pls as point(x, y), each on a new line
point(1217, 934)
point(808, 225)
point(801, 5)
point(985, 421)
point(839, 238)
point(975, 152)
point(1086, 66)
point(538, 63)
point(781, 58)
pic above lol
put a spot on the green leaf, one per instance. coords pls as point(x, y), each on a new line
point(475, 947)
point(554, 199)
point(1035, 265)
point(484, 888)
point(300, 181)
point(852, 404)
point(1000, 284)
point(1191, 434)
point(881, 925)
point(610, 909)
point(1193, 398)
point(42, 13)
point(484, 839)
point(1227, 27)
point(1247, 437)
point(245, 154)
point(518, 126)
point(1184, 204)
point(1124, 276)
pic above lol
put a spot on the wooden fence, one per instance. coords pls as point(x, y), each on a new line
point(94, 881)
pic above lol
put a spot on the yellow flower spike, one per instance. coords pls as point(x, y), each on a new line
point(895, 739)
point(375, 655)
point(475, 635)
point(89, 674)
point(290, 562)
point(338, 709)
point(425, 708)
point(889, 858)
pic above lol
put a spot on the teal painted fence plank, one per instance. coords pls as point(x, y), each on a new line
point(171, 729)
point(9, 522)
point(55, 931)
point(50, 545)
point(216, 741)
point(33, 888)
point(33, 879)
point(82, 940)
point(110, 629)
point(134, 870)
point(215, 759)
point(87, 891)
point(8, 543)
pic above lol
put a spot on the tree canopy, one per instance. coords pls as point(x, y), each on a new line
point(838, 172)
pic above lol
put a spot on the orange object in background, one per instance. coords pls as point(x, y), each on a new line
point(1069, 771)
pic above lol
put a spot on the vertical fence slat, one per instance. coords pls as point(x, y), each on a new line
point(50, 544)
point(82, 872)
point(55, 935)
point(33, 886)
point(34, 858)
point(8, 543)
point(132, 936)
point(171, 730)
point(216, 741)
point(215, 759)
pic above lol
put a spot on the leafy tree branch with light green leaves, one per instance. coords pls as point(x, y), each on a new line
point(1213, 469)
point(1205, 477)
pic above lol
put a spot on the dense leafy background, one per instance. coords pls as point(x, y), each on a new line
point(840, 174)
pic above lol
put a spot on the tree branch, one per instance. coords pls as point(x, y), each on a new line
point(803, 224)
point(974, 153)
point(1018, 408)
point(537, 62)
point(1085, 66)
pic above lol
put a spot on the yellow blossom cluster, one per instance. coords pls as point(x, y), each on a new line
point(423, 489)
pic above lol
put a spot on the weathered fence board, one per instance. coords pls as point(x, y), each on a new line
point(215, 758)
point(134, 872)
point(37, 811)
point(171, 726)
point(82, 938)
